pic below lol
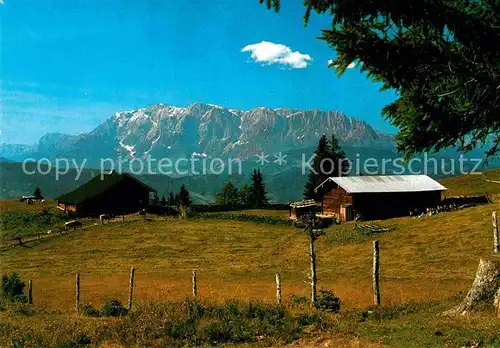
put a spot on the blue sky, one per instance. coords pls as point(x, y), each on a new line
point(68, 65)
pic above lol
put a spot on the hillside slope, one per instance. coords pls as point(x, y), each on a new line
point(422, 259)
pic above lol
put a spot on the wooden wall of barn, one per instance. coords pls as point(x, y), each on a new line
point(333, 199)
point(386, 205)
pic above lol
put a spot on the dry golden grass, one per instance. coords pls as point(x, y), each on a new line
point(7, 205)
point(474, 184)
point(421, 259)
point(431, 258)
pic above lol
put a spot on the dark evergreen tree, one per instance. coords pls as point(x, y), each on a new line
point(329, 161)
point(341, 164)
point(184, 199)
point(320, 169)
point(38, 193)
point(258, 194)
point(156, 199)
point(245, 195)
point(171, 199)
point(442, 58)
point(163, 201)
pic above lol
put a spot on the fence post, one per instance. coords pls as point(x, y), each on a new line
point(30, 292)
point(195, 289)
point(131, 288)
point(376, 269)
point(77, 304)
point(278, 288)
point(496, 239)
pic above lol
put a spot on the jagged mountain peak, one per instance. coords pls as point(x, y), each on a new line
point(217, 131)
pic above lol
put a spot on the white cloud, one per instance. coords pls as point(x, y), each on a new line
point(271, 53)
point(1, 2)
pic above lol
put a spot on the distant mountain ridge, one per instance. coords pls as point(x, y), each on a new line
point(204, 130)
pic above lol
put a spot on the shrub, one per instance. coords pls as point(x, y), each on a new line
point(83, 339)
point(327, 301)
point(297, 299)
point(88, 310)
point(113, 308)
point(21, 309)
point(12, 288)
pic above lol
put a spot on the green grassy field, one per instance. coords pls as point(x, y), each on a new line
point(425, 263)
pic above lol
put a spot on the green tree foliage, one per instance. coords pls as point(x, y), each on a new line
point(171, 199)
point(184, 199)
point(156, 199)
point(38, 193)
point(228, 195)
point(245, 195)
point(329, 160)
point(441, 57)
point(258, 193)
point(12, 289)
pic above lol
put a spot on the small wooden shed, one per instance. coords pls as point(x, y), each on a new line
point(305, 207)
point(378, 197)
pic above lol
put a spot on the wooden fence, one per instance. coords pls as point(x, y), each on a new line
point(279, 300)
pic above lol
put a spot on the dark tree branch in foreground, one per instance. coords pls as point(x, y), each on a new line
point(441, 57)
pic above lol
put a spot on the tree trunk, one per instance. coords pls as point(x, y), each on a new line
point(312, 254)
point(483, 289)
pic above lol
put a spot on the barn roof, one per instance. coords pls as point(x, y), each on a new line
point(385, 183)
point(96, 186)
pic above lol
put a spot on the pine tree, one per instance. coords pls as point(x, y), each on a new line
point(184, 199)
point(258, 194)
point(228, 195)
point(319, 170)
point(171, 199)
point(163, 201)
point(156, 199)
point(38, 193)
point(442, 58)
point(245, 195)
point(330, 161)
point(342, 166)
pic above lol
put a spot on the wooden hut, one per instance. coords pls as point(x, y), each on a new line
point(113, 193)
point(378, 197)
point(305, 207)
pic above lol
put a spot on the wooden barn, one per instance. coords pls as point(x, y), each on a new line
point(378, 197)
point(114, 193)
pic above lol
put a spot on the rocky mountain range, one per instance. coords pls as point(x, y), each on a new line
point(206, 131)
point(203, 130)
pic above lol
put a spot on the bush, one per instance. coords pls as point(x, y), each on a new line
point(21, 309)
point(327, 301)
point(113, 308)
point(88, 310)
point(12, 288)
point(297, 299)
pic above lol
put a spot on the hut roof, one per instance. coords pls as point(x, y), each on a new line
point(385, 183)
point(304, 204)
point(96, 186)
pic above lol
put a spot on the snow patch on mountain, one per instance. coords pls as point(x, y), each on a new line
point(129, 148)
